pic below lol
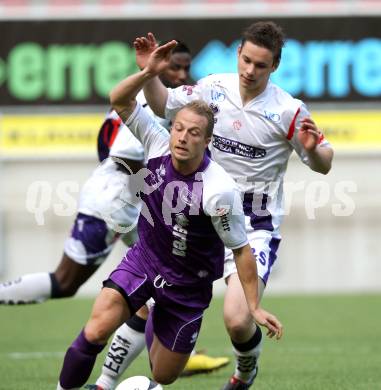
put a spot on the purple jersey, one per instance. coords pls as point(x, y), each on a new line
point(186, 246)
point(186, 220)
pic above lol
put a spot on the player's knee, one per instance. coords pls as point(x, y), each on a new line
point(237, 325)
point(96, 333)
point(163, 378)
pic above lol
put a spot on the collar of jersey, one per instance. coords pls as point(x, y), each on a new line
point(204, 164)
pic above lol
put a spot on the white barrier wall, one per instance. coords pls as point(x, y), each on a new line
point(321, 251)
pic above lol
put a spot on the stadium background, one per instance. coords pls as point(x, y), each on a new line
point(58, 60)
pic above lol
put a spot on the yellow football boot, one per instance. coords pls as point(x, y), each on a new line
point(199, 363)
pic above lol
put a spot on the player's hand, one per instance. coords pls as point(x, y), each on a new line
point(144, 46)
point(151, 57)
point(268, 320)
point(160, 58)
point(309, 135)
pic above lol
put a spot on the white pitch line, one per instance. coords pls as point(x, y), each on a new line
point(42, 355)
point(34, 355)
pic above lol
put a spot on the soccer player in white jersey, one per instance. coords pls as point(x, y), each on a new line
point(258, 125)
point(193, 210)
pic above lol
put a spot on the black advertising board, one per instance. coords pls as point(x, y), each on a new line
point(330, 59)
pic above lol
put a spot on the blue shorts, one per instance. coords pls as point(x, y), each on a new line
point(178, 310)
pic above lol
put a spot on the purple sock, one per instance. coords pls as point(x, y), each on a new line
point(79, 362)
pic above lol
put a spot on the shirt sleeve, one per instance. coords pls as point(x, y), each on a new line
point(153, 136)
point(140, 98)
point(294, 129)
point(180, 96)
point(226, 212)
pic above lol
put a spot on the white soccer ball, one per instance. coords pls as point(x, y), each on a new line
point(138, 383)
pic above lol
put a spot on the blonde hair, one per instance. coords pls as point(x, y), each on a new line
point(201, 108)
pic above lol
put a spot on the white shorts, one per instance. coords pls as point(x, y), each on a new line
point(264, 245)
point(107, 211)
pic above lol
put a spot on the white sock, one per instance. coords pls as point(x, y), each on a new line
point(126, 345)
point(31, 288)
point(246, 363)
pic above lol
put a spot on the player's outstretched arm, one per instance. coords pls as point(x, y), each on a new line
point(320, 157)
point(247, 272)
point(122, 96)
point(154, 90)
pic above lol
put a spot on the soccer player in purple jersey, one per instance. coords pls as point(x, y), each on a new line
point(258, 126)
point(191, 210)
point(92, 238)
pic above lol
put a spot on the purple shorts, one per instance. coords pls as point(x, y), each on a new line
point(90, 241)
point(178, 310)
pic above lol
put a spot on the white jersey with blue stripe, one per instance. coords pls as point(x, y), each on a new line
point(253, 142)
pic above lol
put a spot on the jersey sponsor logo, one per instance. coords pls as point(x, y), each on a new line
point(217, 96)
point(214, 108)
point(272, 116)
point(179, 245)
point(160, 282)
point(237, 125)
point(221, 211)
point(234, 147)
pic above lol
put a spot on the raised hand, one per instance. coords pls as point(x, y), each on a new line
point(160, 58)
point(144, 46)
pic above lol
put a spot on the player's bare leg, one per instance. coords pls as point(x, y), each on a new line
point(245, 335)
point(166, 365)
point(38, 287)
point(109, 311)
point(129, 341)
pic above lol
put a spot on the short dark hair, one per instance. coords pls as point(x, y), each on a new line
point(181, 47)
point(268, 35)
point(201, 108)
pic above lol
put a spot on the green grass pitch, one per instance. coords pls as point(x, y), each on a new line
point(330, 343)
